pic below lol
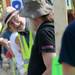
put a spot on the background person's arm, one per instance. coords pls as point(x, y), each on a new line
point(4, 42)
point(68, 69)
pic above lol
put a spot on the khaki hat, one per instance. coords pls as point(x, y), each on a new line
point(36, 8)
point(8, 13)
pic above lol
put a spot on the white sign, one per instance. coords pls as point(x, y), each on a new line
point(68, 4)
point(17, 4)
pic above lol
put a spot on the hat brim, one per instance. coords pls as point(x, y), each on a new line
point(16, 12)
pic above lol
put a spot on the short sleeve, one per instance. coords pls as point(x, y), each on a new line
point(67, 52)
point(47, 40)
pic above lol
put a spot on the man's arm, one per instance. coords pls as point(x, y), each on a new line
point(47, 58)
point(47, 48)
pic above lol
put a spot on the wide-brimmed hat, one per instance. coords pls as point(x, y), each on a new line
point(9, 12)
point(36, 8)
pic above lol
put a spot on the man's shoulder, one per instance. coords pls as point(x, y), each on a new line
point(71, 25)
point(46, 26)
point(47, 29)
point(70, 29)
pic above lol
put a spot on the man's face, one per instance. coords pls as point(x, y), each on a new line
point(35, 24)
point(18, 22)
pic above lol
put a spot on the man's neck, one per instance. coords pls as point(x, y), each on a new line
point(40, 22)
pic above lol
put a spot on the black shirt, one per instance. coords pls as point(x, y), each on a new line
point(67, 53)
point(44, 42)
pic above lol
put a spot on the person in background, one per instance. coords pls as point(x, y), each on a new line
point(15, 23)
point(23, 31)
point(67, 51)
point(43, 50)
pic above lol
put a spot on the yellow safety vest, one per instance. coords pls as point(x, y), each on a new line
point(25, 49)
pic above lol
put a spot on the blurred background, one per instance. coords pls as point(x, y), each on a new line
point(64, 13)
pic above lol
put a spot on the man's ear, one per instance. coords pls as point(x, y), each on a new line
point(37, 20)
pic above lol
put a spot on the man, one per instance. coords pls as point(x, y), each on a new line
point(67, 53)
point(43, 50)
point(19, 23)
point(15, 23)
